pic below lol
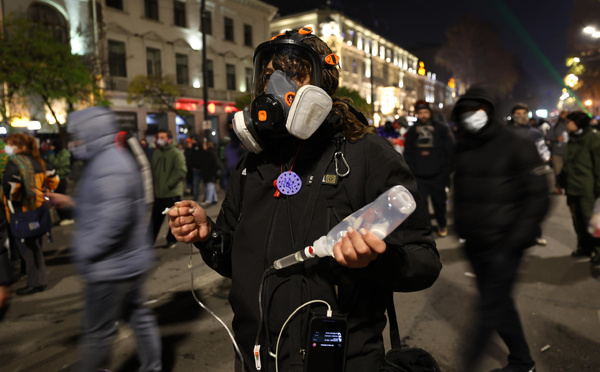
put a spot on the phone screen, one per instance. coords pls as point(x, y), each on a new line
point(326, 349)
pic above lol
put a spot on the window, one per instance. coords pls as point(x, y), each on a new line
point(249, 76)
point(117, 65)
point(229, 29)
point(208, 20)
point(230, 72)
point(153, 62)
point(181, 67)
point(248, 35)
point(210, 74)
point(51, 19)
point(151, 9)
point(179, 13)
point(117, 4)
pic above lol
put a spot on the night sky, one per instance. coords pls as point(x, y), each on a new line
point(534, 30)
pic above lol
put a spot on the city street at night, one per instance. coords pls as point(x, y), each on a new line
point(556, 296)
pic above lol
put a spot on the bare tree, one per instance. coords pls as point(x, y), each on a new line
point(475, 55)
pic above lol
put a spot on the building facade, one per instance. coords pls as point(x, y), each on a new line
point(163, 38)
point(388, 76)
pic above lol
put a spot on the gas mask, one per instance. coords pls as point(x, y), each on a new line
point(280, 108)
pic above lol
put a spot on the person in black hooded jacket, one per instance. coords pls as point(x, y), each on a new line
point(259, 223)
point(501, 197)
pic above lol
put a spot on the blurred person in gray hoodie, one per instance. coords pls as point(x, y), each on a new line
point(111, 243)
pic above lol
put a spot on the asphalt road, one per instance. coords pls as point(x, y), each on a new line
point(558, 298)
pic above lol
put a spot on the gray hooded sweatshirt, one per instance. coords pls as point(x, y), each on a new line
point(111, 240)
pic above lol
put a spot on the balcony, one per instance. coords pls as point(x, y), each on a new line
point(116, 83)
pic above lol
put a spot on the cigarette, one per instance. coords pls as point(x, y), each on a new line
point(166, 211)
point(545, 348)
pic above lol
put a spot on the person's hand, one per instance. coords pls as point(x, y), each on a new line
point(357, 249)
point(61, 200)
point(4, 295)
point(188, 222)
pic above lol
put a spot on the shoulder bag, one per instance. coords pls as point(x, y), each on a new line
point(404, 359)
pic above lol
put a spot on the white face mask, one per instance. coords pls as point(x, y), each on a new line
point(473, 121)
point(9, 150)
point(161, 142)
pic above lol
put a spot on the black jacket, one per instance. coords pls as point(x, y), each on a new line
point(501, 191)
point(431, 155)
point(210, 166)
point(255, 228)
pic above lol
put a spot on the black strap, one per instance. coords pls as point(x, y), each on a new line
point(295, 326)
point(394, 331)
point(359, 115)
point(320, 170)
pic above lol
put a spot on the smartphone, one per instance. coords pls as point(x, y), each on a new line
point(326, 349)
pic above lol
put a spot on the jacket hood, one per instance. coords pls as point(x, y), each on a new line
point(475, 96)
point(96, 127)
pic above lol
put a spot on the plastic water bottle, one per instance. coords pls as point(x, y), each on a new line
point(381, 217)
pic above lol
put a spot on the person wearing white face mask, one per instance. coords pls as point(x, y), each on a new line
point(168, 172)
point(501, 196)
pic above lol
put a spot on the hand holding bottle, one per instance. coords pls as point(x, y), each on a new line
point(358, 248)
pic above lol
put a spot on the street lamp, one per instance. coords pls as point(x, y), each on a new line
point(591, 30)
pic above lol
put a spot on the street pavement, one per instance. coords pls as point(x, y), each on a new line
point(557, 296)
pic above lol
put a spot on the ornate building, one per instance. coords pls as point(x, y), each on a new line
point(388, 76)
point(162, 37)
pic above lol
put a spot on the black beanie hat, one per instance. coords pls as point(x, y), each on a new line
point(422, 105)
point(580, 118)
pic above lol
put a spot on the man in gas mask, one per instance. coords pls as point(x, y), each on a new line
point(500, 198)
point(312, 161)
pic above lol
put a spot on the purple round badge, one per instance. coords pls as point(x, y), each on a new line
point(289, 183)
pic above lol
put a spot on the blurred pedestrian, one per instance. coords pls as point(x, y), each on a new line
point(233, 152)
point(168, 174)
point(580, 177)
point(194, 154)
point(501, 196)
point(5, 272)
point(5, 266)
point(211, 171)
point(147, 149)
point(557, 137)
point(60, 158)
point(521, 124)
point(111, 244)
point(429, 153)
point(27, 179)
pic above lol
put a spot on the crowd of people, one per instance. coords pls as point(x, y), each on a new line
point(308, 164)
